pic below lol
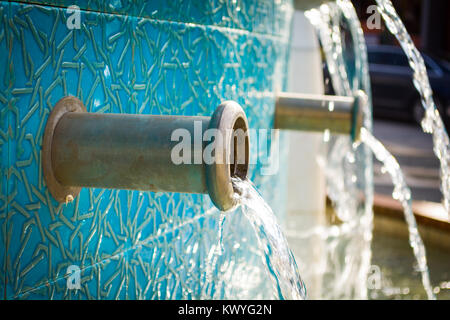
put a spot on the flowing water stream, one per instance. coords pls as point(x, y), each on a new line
point(348, 170)
point(329, 20)
point(279, 258)
point(432, 122)
point(403, 194)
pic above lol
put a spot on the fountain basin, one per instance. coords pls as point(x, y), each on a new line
point(392, 258)
point(391, 274)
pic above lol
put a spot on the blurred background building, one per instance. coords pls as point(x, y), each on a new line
point(426, 20)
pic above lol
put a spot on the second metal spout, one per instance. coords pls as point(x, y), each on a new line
point(309, 112)
point(144, 152)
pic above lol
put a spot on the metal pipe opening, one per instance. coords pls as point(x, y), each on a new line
point(145, 152)
point(309, 112)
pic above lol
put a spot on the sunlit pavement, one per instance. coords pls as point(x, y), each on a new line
point(413, 149)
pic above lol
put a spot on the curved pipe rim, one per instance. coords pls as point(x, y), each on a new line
point(228, 117)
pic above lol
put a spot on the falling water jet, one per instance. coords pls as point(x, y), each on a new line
point(220, 248)
point(403, 194)
point(279, 259)
point(432, 122)
point(326, 22)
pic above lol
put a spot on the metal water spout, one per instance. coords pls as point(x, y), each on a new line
point(129, 151)
point(312, 112)
point(304, 5)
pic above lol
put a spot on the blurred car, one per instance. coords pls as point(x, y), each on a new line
point(393, 91)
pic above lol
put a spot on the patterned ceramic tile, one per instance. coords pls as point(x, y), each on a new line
point(258, 16)
point(129, 244)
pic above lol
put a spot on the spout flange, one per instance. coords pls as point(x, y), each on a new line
point(62, 193)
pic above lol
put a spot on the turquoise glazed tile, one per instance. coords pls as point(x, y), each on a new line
point(267, 17)
point(4, 150)
point(103, 280)
point(128, 57)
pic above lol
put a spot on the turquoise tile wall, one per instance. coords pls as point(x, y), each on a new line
point(266, 17)
point(175, 57)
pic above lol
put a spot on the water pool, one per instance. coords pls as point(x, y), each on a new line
point(328, 261)
point(393, 257)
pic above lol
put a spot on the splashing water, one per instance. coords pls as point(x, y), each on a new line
point(327, 21)
point(403, 194)
point(279, 258)
point(432, 122)
point(221, 223)
point(346, 272)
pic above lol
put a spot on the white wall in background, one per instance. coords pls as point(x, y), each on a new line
point(306, 180)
